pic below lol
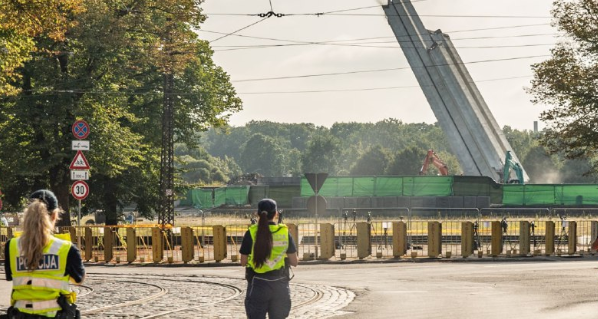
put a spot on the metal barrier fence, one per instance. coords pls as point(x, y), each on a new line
point(450, 234)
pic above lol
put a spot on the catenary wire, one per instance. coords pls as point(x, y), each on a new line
point(154, 92)
point(243, 28)
point(238, 48)
point(378, 70)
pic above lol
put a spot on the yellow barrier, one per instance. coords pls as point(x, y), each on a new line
point(336, 241)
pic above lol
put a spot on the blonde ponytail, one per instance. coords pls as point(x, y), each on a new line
point(37, 231)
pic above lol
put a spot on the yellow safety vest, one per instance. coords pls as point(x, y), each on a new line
point(280, 244)
point(37, 292)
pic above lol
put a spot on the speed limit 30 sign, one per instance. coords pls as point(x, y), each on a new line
point(80, 190)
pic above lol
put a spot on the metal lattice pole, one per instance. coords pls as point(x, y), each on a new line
point(166, 210)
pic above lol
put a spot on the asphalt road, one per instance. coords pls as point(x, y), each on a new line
point(477, 289)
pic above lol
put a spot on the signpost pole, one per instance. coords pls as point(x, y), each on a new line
point(316, 241)
point(79, 228)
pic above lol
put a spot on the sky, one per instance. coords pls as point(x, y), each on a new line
point(346, 41)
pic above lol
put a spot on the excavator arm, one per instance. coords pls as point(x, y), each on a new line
point(511, 164)
point(431, 157)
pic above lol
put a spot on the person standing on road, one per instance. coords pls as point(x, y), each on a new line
point(41, 265)
point(266, 248)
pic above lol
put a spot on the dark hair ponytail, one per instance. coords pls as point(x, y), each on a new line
point(262, 248)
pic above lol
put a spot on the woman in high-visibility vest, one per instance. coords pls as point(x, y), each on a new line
point(41, 265)
point(265, 247)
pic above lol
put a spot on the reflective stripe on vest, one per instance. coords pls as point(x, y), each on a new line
point(41, 282)
point(280, 244)
point(36, 291)
point(37, 306)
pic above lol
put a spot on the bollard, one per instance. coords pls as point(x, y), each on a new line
point(524, 238)
point(187, 244)
point(364, 240)
point(467, 239)
point(108, 244)
point(220, 245)
point(572, 247)
point(157, 245)
point(549, 239)
point(294, 231)
point(496, 239)
point(73, 234)
point(88, 244)
point(326, 241)
point(131, 245)
point(434, 239)
point(399, 239)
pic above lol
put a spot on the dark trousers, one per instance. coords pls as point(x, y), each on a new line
point(269, 295)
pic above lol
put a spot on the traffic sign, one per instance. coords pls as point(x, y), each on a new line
point(80, 145)
point(316, 180)
point(316, 204)
point(79, 175)
point(80, 190)
point(79, 162)
point(80, 129)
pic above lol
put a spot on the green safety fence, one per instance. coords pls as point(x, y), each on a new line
point(382, 186)
point(542, 194)
point(202, 198)
point(232, 195)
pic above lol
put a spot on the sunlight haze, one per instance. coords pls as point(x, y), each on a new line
point(362, 40)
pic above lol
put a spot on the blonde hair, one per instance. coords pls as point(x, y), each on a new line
point(37, 230)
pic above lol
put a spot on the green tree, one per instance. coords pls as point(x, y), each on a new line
point(321, 155)
point(372, 163)
point(109, 71)
point(22, 25)
point(567, 82)
point(407, 161)
point(262, 155)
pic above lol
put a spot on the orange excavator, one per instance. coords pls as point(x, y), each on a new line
point(436, 161)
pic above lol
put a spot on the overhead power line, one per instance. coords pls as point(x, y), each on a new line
point(157, 92)
point(370, 89)
point(243, 28)
point(376, 70)
point(267, 46)
point(320, 14)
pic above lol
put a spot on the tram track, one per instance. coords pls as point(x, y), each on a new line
point(163, 291)
point(149, 296)
point(317, 296)
point(235, 293)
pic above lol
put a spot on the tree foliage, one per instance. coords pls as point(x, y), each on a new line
point(373, 162)
point(22, 23)
point(109, 70)
point(567, 82)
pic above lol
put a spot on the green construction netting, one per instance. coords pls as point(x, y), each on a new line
point(283, 194)
point(188, 200)
point(539, 194)
point(577, 195)
point(382, 186)
point(256, 193)
point(427, 186)
point(201, 198)
point(389, 186)
point(232, 195)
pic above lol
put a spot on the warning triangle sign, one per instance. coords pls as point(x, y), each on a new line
point(316, 180)
point(79, 162)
